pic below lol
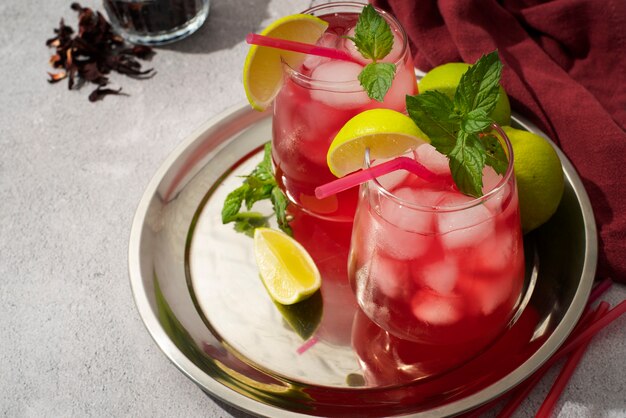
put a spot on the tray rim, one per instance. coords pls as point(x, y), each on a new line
point(249, 405)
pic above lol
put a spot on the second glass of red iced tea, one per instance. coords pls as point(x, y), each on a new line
point(432, 265)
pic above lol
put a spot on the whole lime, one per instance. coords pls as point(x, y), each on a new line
point(539, 176)
point(445, 78)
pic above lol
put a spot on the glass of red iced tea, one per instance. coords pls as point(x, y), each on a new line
point(432, 265)
point(317, 99)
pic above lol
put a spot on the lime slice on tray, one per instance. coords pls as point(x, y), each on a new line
point(263, 72)
point(387, 133)
point(286, 268)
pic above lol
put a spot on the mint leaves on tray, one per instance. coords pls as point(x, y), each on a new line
point(259, 185)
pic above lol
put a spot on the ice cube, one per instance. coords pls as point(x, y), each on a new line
point(315, 137)
point(421, 197)
point(389, 275)
point(432, 159)
point(407, 218)
point(349, 95)
point(399, 243)
point(440, 276)
point(490, 294)
point(328, 40)
point(435, 309)
point(316, 150)
point(495, 253)
point(464, 227)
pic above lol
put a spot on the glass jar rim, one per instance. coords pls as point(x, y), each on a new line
point(350, 86)
point(504, 140)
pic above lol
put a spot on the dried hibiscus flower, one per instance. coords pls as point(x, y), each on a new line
point(93, 53)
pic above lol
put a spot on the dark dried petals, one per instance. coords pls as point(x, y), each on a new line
point(53, 42)
point(94, 52)
point(56, 61)
point(99, 93)
point(56, 77)
point(92, 73)
point(142, 51)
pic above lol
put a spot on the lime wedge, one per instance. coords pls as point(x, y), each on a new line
point(387, 133)
point(263, 71)
point(286, 268)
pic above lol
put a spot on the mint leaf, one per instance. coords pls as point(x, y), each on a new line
point(374, 40)
point(260, 184)
point(453, 126)
point(467, 160)
point(372, 34)
point(495, 156)
point(232, 204)
point(279, 202)
point(434, 113)
point(479, 87)
point(263, 171)
point(475, 121)
point(376, 79)
point(247, 222)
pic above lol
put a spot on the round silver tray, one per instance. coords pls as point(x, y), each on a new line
point(195, 284)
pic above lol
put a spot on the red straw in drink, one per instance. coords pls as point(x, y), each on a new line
point(286, 45)
point(361, 176)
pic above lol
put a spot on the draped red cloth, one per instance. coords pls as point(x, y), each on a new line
point(564, 69)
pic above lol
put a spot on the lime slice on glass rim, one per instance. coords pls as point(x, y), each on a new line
point(387, 133)
point(286, 268)
point(263, 68)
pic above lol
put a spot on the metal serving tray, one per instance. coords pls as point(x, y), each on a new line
point(195, 284)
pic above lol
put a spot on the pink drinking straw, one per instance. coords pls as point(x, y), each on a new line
point(546, 408)
point(361, 176)
point(286, 45)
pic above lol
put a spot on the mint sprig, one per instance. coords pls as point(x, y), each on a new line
point(374, 40)
point(459, 128)
point(260, 184)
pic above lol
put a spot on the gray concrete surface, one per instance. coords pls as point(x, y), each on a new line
point(71, 174)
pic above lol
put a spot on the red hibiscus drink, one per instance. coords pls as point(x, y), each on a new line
point(432, 265)
point(318, 98)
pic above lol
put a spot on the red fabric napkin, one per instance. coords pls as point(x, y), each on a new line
point(564, 69)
